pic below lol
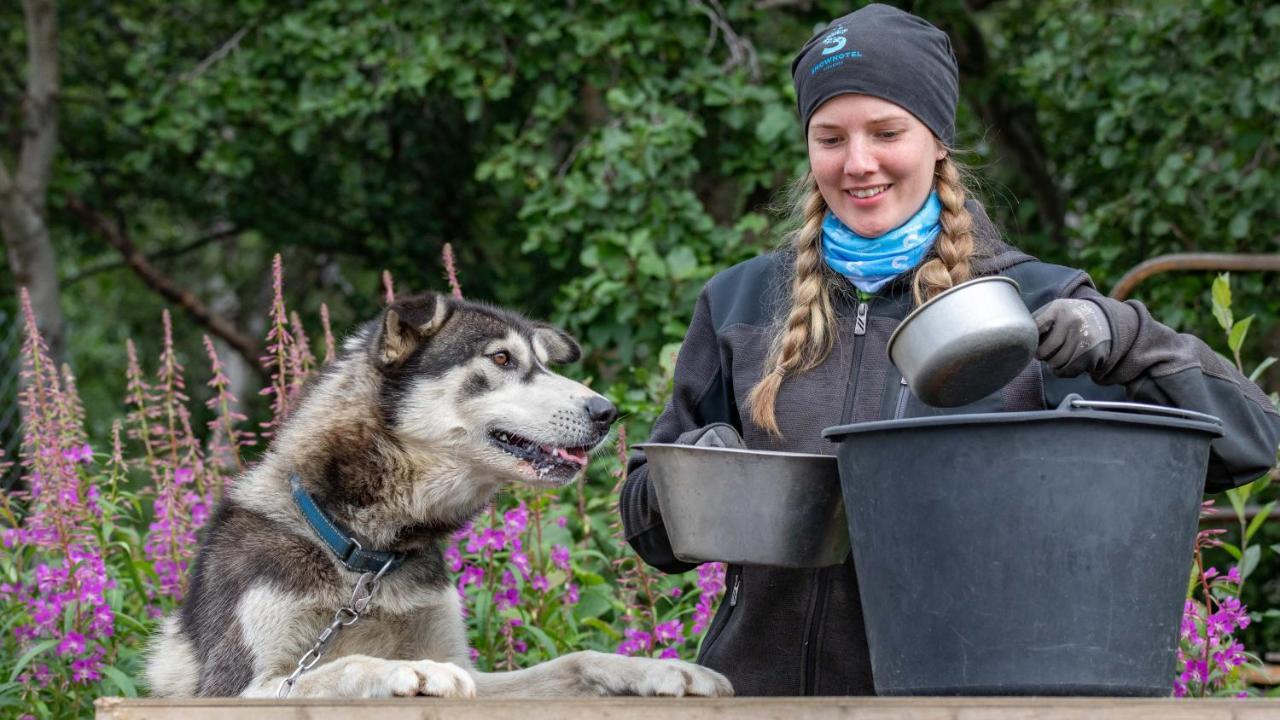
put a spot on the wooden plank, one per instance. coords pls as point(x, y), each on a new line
point(843, 708)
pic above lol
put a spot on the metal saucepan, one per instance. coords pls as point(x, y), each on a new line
point(754, 507)
point(965, 343)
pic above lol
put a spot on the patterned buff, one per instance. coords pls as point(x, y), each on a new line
point(870, 263)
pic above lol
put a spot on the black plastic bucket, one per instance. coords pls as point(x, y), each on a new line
point(1037, 553)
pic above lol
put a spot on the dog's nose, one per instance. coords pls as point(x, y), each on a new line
point(602, 412)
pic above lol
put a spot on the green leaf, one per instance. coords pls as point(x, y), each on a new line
point(1262, 367)
point(682, 263)
point(1238, 497)
point(544, 640)
point(30, 655)
point(1239, 226)
point(1250, 562)
point(1232, 550)
point(121, 680)
point(1238, 332)
point(1221, 293)
point(1258, 520)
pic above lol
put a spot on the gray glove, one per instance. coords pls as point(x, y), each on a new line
point(1074, 337)
point(721, 435)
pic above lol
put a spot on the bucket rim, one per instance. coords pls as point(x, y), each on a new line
point(837, 433)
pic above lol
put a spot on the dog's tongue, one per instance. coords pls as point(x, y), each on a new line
point(578, 456)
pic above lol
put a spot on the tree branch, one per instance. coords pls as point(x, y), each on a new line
point(169, 254)
point(162, 284)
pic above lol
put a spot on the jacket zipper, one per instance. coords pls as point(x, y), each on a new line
point(903, 392)
point(808, 657)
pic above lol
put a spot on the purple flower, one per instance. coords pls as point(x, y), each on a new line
point(85, 670)
point(637, 642)
point(1211, 573)
point(453, 558)
point(669, 632)
point(540, 583)
point(1233, 575)
point(515, 521)
point(562, 521)
point(506, 599)
point(670, 653)
point(521, 561)
point(82, 454)
point(560, 556)
point(571, 596)
point(1196, 671)
point(471, 575)
point(72, 644)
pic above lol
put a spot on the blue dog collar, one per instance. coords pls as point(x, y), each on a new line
point(349, 550)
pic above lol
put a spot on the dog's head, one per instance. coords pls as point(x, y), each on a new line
point(473, 381)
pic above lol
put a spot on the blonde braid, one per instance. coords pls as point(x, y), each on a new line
point(808, 334)
point(954, 245)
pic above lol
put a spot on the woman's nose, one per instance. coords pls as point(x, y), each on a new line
point(859, 159)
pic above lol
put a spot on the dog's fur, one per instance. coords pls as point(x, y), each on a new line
point(401, 441)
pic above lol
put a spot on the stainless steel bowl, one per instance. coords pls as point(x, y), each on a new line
point(965, 343)
point(753, 507)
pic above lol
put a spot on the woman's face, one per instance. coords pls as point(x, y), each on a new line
point(873, 161)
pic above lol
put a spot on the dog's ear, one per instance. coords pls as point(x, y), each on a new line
point(407, 323)
point(560, 345)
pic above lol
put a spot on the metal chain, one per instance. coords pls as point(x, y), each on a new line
point(346, 616)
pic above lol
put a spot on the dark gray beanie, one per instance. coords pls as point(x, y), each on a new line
point(883, 52)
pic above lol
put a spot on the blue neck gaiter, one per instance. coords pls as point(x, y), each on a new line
point(870, 263)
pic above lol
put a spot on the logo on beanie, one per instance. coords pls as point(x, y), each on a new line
point(834, 41)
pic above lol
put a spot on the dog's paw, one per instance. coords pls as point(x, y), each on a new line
point(427, 677)
point(677, 678)
point(617, 675)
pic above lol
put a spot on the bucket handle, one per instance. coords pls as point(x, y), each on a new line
point(1075, 401)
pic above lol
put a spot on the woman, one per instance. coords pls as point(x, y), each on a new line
point(786, 344)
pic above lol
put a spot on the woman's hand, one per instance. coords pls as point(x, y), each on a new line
point(1074, 337)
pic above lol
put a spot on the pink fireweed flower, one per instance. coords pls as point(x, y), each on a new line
point(516, 521)
point(506, 599)
point(86, 670)
point(637, 642)
point(669, 632)
point(1196, 671)
point(670, 653)
point(540, 583)
point(560, 556)
point(521, 562)
point(72, 644)
point(1230, 657)
point(1211, 573)
point(453, 558)
point(1233, 575)
point(471, 575)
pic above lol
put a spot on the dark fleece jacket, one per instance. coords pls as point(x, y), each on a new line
point(800, 632)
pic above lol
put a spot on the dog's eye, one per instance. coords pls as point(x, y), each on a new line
point(501, 358)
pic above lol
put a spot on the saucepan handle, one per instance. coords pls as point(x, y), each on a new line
point(1076, 402)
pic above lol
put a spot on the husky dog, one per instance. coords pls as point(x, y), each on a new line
point(427, 413)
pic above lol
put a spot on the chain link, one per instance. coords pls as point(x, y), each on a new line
point(346, 616)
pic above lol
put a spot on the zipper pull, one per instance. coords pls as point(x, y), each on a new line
point(733, 594)
point(860, 325)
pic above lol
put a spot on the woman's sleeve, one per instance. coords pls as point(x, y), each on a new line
point(1158, 365)
point(699, 398)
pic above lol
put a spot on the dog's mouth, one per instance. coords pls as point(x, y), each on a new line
point(547, 462)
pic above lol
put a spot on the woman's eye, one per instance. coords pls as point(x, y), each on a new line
point(890, 134)
point(500, 358)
